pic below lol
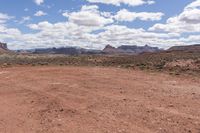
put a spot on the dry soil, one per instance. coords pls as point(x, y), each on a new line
point(97, 100)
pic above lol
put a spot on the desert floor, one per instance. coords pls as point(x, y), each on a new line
point(97, 100)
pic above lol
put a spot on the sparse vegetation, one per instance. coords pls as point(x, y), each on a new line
point(173, 61)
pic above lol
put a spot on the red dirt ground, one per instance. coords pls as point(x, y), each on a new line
point(97, 100)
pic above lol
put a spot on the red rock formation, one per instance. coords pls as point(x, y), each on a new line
point(3, 46)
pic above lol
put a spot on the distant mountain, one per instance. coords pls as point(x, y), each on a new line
point(121, 50)
point(138, 49)
point(70, 51)
point(195, 47)
point(127, 49)
point(111, 50)
point(4, 48)
point(124, 49)
point(66, 51)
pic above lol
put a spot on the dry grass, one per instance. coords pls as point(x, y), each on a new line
point(175, 62)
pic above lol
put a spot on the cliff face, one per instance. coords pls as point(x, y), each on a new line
point(138, 49)
point(3, 46)
point(66, 51)
point(111, 50)
point(126, 49)
point(185, 48)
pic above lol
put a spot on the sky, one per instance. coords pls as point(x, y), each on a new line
point(29, 24)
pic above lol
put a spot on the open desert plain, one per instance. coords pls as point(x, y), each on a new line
point(99, 66)
point(57, 99)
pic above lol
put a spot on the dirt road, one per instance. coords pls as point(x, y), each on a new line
point(96, 100)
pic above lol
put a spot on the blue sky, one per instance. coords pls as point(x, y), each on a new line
point(26, 24)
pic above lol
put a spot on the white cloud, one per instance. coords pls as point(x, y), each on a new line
point(41, 26)
point(127, 2)
point(90, 8)
point(186, 22)
point(4, 17)
point(91, 28)
point(88, 16)
point(122, 35)
point(190, 16)
point(125, 15)
point(192, 38)
point(67, 33)
point(39, 2)
point(40, 13)
point(24, 19)
point(193, 5)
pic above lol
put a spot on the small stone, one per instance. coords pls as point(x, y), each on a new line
point(61, 110)
point(170, 105)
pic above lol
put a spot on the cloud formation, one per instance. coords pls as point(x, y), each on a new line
point(4, 17)
point(39, 2)
point(187, 21)
point(91, 27)
point(125, 15)
point(40, 13)
point(127, 2)
point(88, 16)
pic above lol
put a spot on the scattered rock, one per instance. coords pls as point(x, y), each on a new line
point(170, 105)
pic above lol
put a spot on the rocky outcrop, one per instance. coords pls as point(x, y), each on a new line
point(111, 50)
point(3, 46)
point(195, 47)
point(138, 49)
point(4, 49)
point(124, 49)
point(127, 49)
point(66, 51)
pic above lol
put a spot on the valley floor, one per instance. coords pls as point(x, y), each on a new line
point(97, 100)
